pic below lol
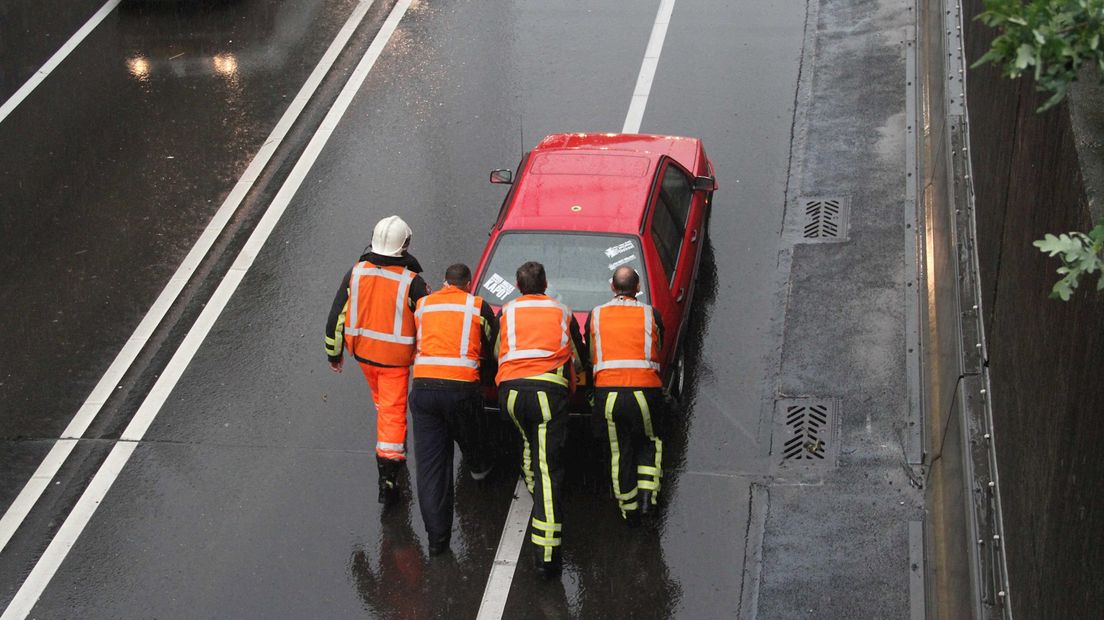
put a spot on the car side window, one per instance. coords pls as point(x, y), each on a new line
point(676, 193)
point(672, 208)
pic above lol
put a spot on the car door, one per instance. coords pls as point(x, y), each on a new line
point(676, 230)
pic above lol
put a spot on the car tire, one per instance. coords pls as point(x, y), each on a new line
point(677, 383)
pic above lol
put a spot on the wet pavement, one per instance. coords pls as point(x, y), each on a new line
point(31, 31)
point(252, 493)
point(112, 167)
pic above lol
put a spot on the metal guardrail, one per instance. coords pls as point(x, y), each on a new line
point(989, 566)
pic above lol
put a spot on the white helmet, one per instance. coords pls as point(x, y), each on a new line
point(390, 235)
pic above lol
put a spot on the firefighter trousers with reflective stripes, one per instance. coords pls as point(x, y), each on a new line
point(540, 415)
point(636, 451)
point(388, 385)
point(442, 416)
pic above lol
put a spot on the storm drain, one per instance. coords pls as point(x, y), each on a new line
point(825, 220)
point(808, 431)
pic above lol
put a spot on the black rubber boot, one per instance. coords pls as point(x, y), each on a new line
point(388, 479)
point(438, 547)
point(480, 470)
point(647, 508)
point(548, 570)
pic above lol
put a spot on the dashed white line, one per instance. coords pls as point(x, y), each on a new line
point(648, 67)
point(56, 59)
point(74, 524)
point(513, 532)
point(506, 557)
point(40, 480)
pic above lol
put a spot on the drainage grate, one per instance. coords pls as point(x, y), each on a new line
point(825, 220)
point(808, 431)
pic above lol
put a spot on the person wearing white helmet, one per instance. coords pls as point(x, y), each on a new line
point(373, 317)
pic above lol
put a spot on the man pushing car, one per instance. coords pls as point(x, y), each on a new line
point(624, 337)
point(539, 351)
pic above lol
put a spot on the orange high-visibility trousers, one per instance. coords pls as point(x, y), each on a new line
point(388, 385)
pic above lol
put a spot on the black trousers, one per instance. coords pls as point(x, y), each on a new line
point(540, 415)
point(442, 416)
point(636, 452)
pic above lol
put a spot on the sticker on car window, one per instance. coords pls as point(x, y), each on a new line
point(498, 286)
point(619, 249)
point(621, 261)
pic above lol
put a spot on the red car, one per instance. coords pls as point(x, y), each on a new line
point(584, 204)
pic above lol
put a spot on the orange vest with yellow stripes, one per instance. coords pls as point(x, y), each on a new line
point(379, 325)
point(448, 327)
point(534, 338)
point(625, 345)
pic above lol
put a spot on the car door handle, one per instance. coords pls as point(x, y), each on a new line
point(681, 295)
point(694, 236)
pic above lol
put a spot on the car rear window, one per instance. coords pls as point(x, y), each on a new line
point(578, 266)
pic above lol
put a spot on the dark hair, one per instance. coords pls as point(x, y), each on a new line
point(458, 274)
point(625, 280)
point(531, 279)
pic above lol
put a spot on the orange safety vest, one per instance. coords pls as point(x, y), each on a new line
point(448, 325)
point(626, 345)
point(380, 325)
point(534, 338)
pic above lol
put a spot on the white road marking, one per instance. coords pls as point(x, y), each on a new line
point(61, 449)
point(648, 67)
point(56, 59)
point(74, 524)
point(506, 558)
point(513, 533)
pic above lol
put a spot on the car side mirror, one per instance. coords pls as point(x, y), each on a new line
point(502, 177)
point(705, 184)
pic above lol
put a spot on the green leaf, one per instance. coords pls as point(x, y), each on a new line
point(1055, 245)
point(1062, 290)
point(1054, 38)
point(1025, 56)
point(1097, 233)
point(1081, 254)
point(1054, 100)
point(991, 56)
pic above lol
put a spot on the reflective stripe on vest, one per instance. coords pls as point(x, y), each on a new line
point(404, 279)
point(469, 311)
point(600, 363)
point(511, 334)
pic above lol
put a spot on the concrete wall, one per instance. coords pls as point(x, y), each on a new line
point(1045, 357)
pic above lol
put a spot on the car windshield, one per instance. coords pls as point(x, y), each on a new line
point(578, 266)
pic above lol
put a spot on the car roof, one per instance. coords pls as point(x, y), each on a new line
point(592, 182)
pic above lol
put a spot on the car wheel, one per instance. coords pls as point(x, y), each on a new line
point(677, 382)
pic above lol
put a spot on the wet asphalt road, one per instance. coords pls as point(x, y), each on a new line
point(252, 493)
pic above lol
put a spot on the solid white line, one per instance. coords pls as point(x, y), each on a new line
point(40, 480)
point(74, 524)
point(513, 532)
point(506, 558)
point(648, 68)
point(56, 59)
